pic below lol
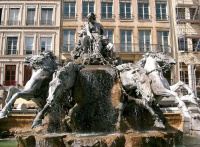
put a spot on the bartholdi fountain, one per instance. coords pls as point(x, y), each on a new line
point(95, 100)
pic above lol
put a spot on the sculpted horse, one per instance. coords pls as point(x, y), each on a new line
point(36, 89)
point(63, 79)
point(137, 87)
point(155, 63)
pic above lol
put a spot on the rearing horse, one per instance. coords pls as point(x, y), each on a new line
point(36, 89)
point(154, 63)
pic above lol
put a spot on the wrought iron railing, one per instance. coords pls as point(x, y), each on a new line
point(11, 52)
point(9, 83)
point(125, 16)
point(128, 48)
point(46, 22)
point(107, 16)
point(68, 48)
point(30, 22)
point(140, 48)
point(28, 52)
point(84, 15)
point(70, 16)
point(189, 48)
point(162, 17)
point(13, 23)
point(144, 16)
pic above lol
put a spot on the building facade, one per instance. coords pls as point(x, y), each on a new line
point(133, 26)
point(26, 28)
point(185, 28)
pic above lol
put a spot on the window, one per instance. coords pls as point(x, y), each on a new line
point(47, 16)
point(1, 16)
point(106, 10)
point(13, 16)
point(109, 34)
point(162, 37)
point(182, 44)
point(125, 10)
point(29, 45)
point(180, 13)
point(11, 45)
point(87, 8)
point(143, 11)
point(184, 76)
point(196, 44)
point(30, 16)
point(126, 41)
point(10, 75)
point(46, 44)
point(161, 13)
point(27, 74)
point(69, 10)
point(194, 13)
point(68, 40)
point(144, 40)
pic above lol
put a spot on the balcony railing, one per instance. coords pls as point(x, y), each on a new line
point(1, 23)
point(140, 48)
point(28, 52)
point(162, 17)
point(68, 48)
point(84, 15)
point(125, 16)
point(128, 48)
point(70, 16)
point(30, 22)
point(9, 83)
point(189, 48)
point(107, 16)
point(46, 22)
point(11, 52)
point(145, 16)
point(13, 23)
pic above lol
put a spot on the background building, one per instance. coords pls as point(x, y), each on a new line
point(26, 27)
point(185, 28)
point(134, 26)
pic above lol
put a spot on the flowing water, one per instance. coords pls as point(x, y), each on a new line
point(187, 141)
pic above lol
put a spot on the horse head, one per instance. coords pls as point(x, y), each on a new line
point(164, 60)
point(63, 79)
point(43, 60)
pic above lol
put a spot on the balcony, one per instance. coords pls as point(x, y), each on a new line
point(13, 23)
point(125, 16)
point(140, 48)
point(186, 3)
point(162, 17)
point(195, 48)
point(11, 52)
point(9, 83)
point(69, 16)
point(28, 52)
point(68, 48)
point(84, 15)
point(107, 16)
point(145, 17)
point(30, 22)
point(46, 22)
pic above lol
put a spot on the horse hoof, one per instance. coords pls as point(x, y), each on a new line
point(159, 124)
point(3, 115)
point(36, 124)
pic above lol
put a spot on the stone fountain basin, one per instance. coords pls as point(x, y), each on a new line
point(150, 138)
